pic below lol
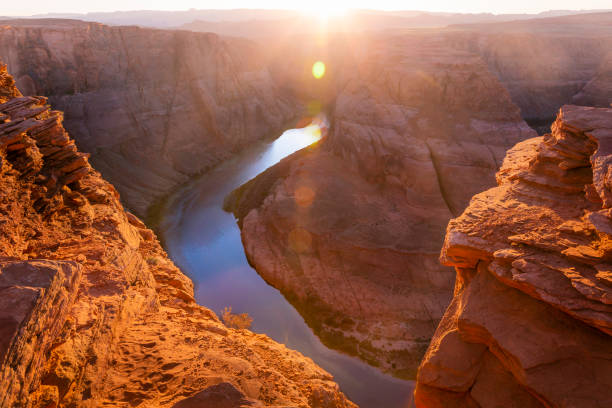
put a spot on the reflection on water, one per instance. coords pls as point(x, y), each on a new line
point(204, 241)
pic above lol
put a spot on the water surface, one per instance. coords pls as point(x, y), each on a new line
point(204, 241)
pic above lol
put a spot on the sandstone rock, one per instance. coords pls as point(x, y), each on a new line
point(530, 324)
point(222, 395)
point(7, 84)
point(38, 147)
point(36, 299)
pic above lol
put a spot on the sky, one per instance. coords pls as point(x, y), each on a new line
point(22, 8)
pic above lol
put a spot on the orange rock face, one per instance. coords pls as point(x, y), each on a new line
point(530, 323)
point(350, 230)
point(93, 313)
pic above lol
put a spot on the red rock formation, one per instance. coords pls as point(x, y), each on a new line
point(158, 105)
point(349, 230)
point(93, 313)
point(530, 323)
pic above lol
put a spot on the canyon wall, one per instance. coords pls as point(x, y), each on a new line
point(153, 107)
point(350, 229)
point(163, 105)
point(530, 323)
point(546, 63)
point(92, 311)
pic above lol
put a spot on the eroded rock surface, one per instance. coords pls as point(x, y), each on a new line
point(530, 323)
point(156, 105)
point(93, 313)
point(349, 230)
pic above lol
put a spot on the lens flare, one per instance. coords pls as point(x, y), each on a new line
point(318, 69)
point(304, 196)
point(300, 240)
point(313, 132)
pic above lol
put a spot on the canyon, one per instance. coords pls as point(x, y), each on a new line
point(165, 105)
point(158, 105)
point(94, 313)
point(335, 227)
point(530, 321)
point(349, 229)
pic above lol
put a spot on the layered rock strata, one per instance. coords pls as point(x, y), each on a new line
point(349, 230)
point(548, 62)
point(93, 313)
point(530, 323)
point(157, 105)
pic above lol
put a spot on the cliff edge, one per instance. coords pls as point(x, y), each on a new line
point(531, 318)
point(92, 311)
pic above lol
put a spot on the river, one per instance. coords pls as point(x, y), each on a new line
point(204, 241)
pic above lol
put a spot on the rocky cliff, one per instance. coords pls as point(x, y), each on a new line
point(93, 313)
point(350, 230)
point(164, 105)
point(545, 63)
point(153, 107)
point(530, 323)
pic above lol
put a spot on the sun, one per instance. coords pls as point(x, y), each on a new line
point(323, 10)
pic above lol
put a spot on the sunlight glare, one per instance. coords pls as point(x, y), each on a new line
point(324, 10)
point(313, 133)
point(318, 69)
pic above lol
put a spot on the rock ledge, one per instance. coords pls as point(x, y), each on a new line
point(531, 318)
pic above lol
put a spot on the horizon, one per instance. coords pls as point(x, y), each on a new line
point(317, 7)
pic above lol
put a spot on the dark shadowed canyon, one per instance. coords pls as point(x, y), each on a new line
point(430, 249)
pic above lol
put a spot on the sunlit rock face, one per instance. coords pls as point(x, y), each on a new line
point(152, 107)
point(530, 323)
point(350, 230)
point(92, 311)
point(545, 63)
